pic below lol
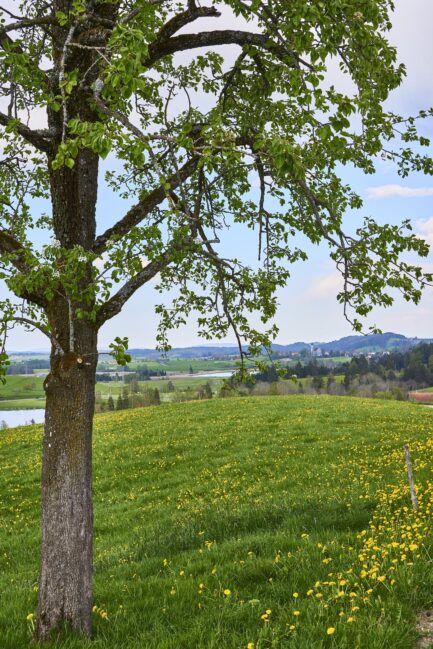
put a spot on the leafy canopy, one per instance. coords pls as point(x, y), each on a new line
point(207, 116)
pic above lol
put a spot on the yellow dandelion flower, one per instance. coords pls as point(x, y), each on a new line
point(227, 592)
point(330, 630)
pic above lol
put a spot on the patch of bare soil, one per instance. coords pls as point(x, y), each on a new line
point(424, 626)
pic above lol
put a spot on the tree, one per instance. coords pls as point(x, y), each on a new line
point(110, 403)
point(317, 383)
point(119, 403)
point(135, 386)
point(192, 128)
point(205, 391)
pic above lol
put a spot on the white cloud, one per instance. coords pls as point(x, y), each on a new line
point(325, 286)
point(392, 191)
point(425, 229)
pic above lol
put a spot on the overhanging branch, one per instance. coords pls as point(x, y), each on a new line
point(18, 257)
point(15, 251)
point(22, 23)
point(41, 139)
point(115, 304)
point(42, 329)
point(158, 49)
point(139, 211)
point(184, 18)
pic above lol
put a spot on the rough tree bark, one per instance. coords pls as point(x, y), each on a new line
point(65, 588)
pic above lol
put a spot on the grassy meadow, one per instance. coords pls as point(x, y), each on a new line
point(253, 523)
point(22, 404)
point(184, 364)
point(22, 387)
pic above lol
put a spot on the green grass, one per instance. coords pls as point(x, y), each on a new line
point(333, 360)
point(321, 360)
point(21, 387)
point(183, 364)
point(115, 387)
point(261, 497)
point(22, 404)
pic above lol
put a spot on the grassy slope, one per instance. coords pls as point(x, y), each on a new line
point(265, 497)
point(22, 387)
point(22, 404)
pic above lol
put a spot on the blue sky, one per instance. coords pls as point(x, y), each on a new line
point(308, 308)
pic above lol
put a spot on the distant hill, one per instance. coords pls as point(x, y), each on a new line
point(374, 343)
point(348, 345)
point(361, 344)
point(199, 351)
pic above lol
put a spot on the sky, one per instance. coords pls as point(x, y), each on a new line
point(308, 309)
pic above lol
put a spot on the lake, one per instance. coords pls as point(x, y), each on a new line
point(21, 417)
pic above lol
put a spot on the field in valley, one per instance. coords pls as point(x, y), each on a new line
point(22, 387)
point(254, 523)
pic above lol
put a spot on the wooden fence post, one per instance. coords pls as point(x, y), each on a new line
point(410, 476)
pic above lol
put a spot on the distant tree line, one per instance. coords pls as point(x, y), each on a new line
point(141, 373)
point(28, 367)
point(415, 366)
point(388, 376)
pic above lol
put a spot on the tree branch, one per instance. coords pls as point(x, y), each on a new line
point(139, 211)
point(158, 49)
point(41, 139)
point(23, 22)
point(17, 257)
point(184, 18)
point(8, 44)
point(10, 246)
point(36, 325)
point(115, 304)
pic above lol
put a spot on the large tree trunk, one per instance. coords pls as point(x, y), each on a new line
point(65, 588)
